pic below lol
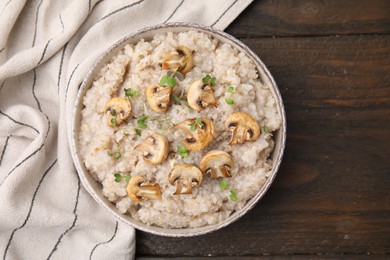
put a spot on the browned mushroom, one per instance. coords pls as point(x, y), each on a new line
point(117, 110)
point(244, 128)
point(138, 190)
point(179, 60)
point(154, 148)
point(158, 97)
point(217, 163)
point(200, 96)
point(185, 177)
point(199, 133)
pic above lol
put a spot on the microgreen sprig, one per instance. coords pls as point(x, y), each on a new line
point(198, 122)
point(141, 122)
point(119, 177)
point(233, 195)
point(178, 99)
point(170, 78)
point(223, 184)
point(116, 154)
point(182, 150)
point(209, 80)
point(137, 131)
point(113, 112)
point(131, 93)
point(168, 81)
point(229, 100)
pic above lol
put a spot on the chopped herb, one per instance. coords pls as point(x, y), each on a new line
point(113, 121)
point(130, 93)
point(192, 127)
point(265, 129)
point(209, 80)
point(230, 89)
point(118, 177)
point(233, 195)
point(138, 131)
point(176, 98)
point(141, 122)
point(168, 81)
point(198, 121)
point(113, 112)
point(127, 177)
point(182, 150)
point(223, 184)
point(117, 155)
point(229, 101)
point(159, 126)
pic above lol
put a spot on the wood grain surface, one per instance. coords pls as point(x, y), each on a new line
point(331, 60)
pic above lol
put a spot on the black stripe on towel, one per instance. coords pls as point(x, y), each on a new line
point(60, 70)
point(106, 242)
point(62, 23)
point(5, 147)
point(174, 11)
point(29, 210)
point(33, 90)
point(70, 79)
point(2, 84)
point(44, 52)
point(37, 150)
point(74, 220)
point(19, 123)
point(224, 13)
point(121, 9)
point(36, 22)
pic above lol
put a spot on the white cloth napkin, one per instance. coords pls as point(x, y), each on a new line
point(46, 48)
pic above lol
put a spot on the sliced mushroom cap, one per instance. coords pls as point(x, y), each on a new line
point(117, 110)
point(179, 60)
point(199, 138)
point(138, 190)
point(200, 96)
point(158, 97)
point(243, 127)
point(154, 149)
point(185, 177)
point(217, 163)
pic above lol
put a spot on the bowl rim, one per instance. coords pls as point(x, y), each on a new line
point(85, 177)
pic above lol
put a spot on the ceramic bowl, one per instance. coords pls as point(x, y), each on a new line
point(95, 188)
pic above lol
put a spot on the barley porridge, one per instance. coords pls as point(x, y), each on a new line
point(178, 130)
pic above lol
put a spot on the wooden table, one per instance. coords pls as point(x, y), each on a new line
point(331, 197)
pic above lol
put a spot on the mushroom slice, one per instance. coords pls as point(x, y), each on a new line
point(199, 138)
point(154, 149)
point(243, 127)
point(200, 96)
point(158, 97)
point(117, 110)
point(185, 177)
point(179, 60)
point(216, 163)
point(138, 190)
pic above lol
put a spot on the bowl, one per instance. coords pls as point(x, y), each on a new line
point(95, 188)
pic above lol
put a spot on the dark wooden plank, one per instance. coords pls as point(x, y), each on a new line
point(332, 194)
point(279, 257)
point(308, 18)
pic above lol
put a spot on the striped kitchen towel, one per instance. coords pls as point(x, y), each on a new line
point(46, 48)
